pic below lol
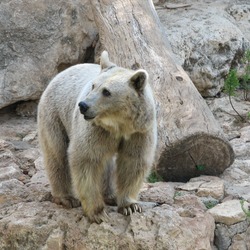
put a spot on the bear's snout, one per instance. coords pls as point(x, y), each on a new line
point(85, 110)
point(83, 107)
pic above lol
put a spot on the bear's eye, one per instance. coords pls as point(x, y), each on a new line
point(105, 92)
point(93, 86)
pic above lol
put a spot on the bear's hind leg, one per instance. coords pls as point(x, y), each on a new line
point(54, 143)
point(60, 183)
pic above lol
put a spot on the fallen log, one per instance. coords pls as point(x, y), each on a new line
point(190, 141)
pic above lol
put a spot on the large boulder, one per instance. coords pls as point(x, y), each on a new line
point(37, 40)
point(207, 38)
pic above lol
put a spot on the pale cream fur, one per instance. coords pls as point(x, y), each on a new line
point(118, 139)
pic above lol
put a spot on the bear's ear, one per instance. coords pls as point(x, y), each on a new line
point(104, 60)
point(139, 80)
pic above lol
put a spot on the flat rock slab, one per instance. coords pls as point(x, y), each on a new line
point(237, 179)
point(162, 192)
point(229, 212)
point(215, 189)
point(205, 186)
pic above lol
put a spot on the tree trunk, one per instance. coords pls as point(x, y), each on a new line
point(190, 142)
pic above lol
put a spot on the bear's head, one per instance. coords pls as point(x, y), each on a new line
point(120, 101)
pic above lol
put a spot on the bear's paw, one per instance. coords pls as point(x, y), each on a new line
point(99, 217)
point(67, 202)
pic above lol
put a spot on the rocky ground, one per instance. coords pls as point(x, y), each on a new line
point(204, 213)
point(207, 38)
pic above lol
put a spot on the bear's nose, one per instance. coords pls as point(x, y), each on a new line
point(83, 107)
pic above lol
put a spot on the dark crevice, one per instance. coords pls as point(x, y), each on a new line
point(89, 56)
point(63, 66)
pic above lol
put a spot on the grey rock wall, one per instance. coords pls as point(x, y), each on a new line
point(38, 39)
point(207, 38)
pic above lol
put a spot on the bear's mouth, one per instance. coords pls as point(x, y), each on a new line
point(88, 118)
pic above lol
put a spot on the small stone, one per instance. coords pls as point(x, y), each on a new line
point(241, 190)
point(238, 242)
point(235, 174)
point(55, 240)
point(5, 145)
point(204, 178)
point(240, 147)
point(32, 171)
point(191, 186)
point(30, 137)
point(10, 172)
point(21, 145)
point(22, 178)
point(228, 198)
point(214, 189)
point(225, 235)
point(245, 134)
point(29, 155)
point(189, 205)
point(233, 135)
point(39, 178)
point(39, 165)
point(160, 192)
point(229, 212)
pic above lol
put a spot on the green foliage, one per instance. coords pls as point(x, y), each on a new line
point(246, 211)
point(246, 75)
point(200, 167)
point(210, 203)
point(178, 194)
point(154, 177)
point(232, 82)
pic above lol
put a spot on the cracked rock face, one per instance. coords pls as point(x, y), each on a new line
point(207, 38)
point(38, 39)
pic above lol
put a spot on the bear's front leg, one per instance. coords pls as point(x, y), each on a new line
point(135, 158)
point(87, 183)
point(130, 177)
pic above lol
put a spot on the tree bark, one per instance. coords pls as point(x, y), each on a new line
point(190, 141)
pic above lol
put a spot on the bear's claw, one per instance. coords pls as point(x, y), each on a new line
point(130, 209)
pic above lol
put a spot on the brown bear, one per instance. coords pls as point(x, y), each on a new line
point(89, 117)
